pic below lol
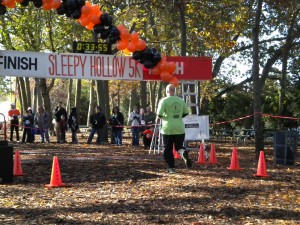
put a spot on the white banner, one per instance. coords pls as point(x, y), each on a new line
point(69, 66)
point(196, 128)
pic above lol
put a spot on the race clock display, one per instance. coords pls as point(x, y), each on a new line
point(91, 47)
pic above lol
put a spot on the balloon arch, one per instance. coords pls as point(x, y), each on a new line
point(91, 17)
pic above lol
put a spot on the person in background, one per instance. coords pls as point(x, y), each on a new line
point(28, 122)
point(42, 121)
point(149, 117)
point(134, 122)
point(58, 112)
point(97, 120)
point(142, 121)
point(117, 122)
point(73, 125)
point(170, 111)
point(147, 137)
point(32, 132)
point(63, 126)
point(14, 115)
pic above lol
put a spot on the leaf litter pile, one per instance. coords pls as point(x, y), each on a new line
point(123, 185)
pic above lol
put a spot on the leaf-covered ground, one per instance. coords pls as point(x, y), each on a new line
point(125, 185)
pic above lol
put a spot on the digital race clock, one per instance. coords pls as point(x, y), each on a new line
point(91, 47)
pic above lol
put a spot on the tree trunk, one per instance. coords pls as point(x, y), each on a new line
point(20, 94)
point(143, 94)
point(46, 97)
point(23, 93)
point(91, 104)
point(259, 144)
point(152, 87)
point(28, 92)
point(77, 99)
point(69, 100)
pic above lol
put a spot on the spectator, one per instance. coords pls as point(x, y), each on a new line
point(97, 121)
point(134, 122)
point(28, 122)
point(59, 110)
point(73, 124)
point(147, 137)
point(63, 126)
point(14, 115)
point(32, 132)
point(117, 122)
point(142, 121)
point(171, 110)
point(42, 121)
point(149, 117)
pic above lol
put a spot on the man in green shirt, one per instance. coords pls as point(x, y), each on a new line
point(171, 110)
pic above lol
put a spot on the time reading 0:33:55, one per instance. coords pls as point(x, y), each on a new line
point(91, 47)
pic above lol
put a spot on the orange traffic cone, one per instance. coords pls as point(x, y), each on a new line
point(234, 161)
point(212, 155)
point(17, 165)
point(201, 157)
point(261, 167)
point(175, 153)
point(55, 175)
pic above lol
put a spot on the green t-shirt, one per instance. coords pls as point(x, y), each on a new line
point(170, 110)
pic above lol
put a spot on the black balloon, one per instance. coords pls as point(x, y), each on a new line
point(61, 10)
point(98, 28)
point(148, 64)
point(114, 32)
point(137, 55)
point(76, 14)
point(156, 57)
point(3, 9)
point(148, 54)
point(25, 3)
point(113, 40)
point(106, 19)
point(38, 3)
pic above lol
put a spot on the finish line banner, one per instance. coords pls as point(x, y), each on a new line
point(95, 67)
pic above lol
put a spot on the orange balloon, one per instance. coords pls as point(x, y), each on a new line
point(19, 1)
point(141, 45)
point(171, 67)
point(86, 9)
point(155, 71)
point(90, 26)
point(11, 5)
point(125, 35)
point(121, 27)
point(134, 37)
point(95, 19)
point(164, 66)
point(166, 76)
point(121, 45)
point(6, 2)
point(46, 6)
point(174, 81)
point(85, 21)
point(95, 9)
point(56, 4)
point(131, 47)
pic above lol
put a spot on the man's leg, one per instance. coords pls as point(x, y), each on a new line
point(91, 136)
point(168, 152)
point(99, 136)
point(58, 135)
point(17, 132)
point(11, 132)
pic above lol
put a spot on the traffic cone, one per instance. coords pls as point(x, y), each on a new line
point(212, 155)
point(55, 175)
point(201, 157)
point(261, 167)
point(175, 153)
point(17, 165)
point(234, 161)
